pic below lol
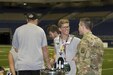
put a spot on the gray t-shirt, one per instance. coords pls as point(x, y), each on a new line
point(29, 40)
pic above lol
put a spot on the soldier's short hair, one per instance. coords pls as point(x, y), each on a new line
point(53, 28)
point(62, 21)
point(87, 22)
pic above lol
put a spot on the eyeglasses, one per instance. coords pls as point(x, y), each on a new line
point(65, 27)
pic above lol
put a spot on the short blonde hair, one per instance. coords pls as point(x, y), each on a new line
point(62, 21)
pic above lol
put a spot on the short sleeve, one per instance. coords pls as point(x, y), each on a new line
point(15, 42)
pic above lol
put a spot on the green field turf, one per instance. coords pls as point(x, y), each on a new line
point(107, 63)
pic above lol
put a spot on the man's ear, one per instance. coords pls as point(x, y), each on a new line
point(83, 26)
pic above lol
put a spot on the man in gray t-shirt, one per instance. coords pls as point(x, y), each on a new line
point(30, 43)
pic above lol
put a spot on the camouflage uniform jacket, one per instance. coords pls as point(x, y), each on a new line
point(89, 55)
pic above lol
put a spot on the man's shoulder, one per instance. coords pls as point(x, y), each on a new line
point(40, 28)
point(95, 38)
point(21, 26)
point(74, 37)
point(92, 39)
point(77, 38)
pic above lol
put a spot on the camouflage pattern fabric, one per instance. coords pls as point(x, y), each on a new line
point(90, 55)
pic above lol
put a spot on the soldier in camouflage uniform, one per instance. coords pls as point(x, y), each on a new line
point(90, 50)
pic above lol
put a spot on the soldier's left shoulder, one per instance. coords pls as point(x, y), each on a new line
point(75, 39)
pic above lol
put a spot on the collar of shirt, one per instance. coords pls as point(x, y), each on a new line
point(88, 33)
point(31, 24)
